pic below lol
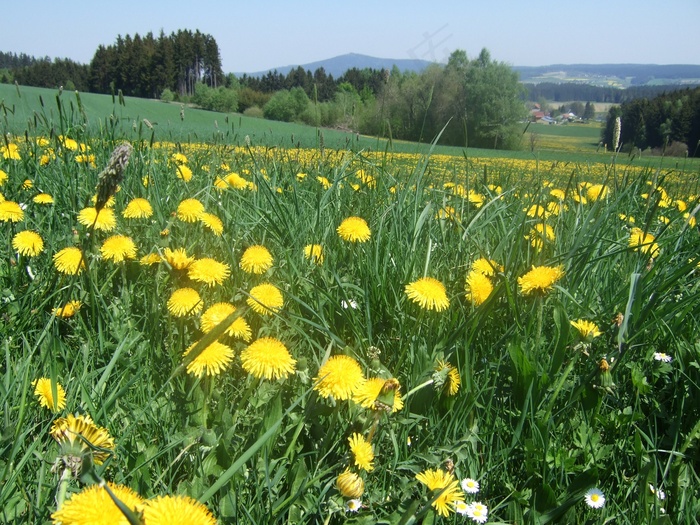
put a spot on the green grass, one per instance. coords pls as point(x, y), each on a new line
point(542, 414)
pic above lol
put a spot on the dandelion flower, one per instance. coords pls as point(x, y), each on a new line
point(10, 211)
point(429, 293)
point(660, 356)
point(68, 310)
point(69, 261)
point(104, 220)
point(138, 209)
point(11, 152)
point(256, 259)
point(265, 299)
point(184, 172)
point(596, 192)
point(28, 243)
point(540, 279)
point(43, 198)
point(118, 248)
point(478, 512)
point(216, 314)
point(488, 267)
point(440, 481)
point(324, 182)
point(208, 271)
point(314, 252)
point(350, 485)
point(150, 259)
point(447, 376)
point(470, 486)
point(643, 242)
point(587, 329)
point(78, 435)
point(3, 177)
point(211, 361)
point(339, 377)
point(94, 506)
point(539, 234)
point(376, 393)
point(212, 222)
point(177, 510)
point(179, 158)
point(44, 393)
point(478, 287)
point(362, 452)
point(354, 229)
point(269, 358)
point(178, 259)
point(594, 498)
point(184, 301)
point(189, 210)
point(236, 181)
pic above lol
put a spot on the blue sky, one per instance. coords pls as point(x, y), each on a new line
point(254, 36)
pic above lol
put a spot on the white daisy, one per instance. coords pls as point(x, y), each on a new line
point(470, 486)
point(478, 512)
point(660, 356)
point(353, 505)
point(595, 498)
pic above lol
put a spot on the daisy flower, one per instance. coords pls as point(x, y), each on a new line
point(594, 498)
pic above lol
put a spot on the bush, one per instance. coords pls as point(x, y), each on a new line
point(253, 111)
point(167, 95)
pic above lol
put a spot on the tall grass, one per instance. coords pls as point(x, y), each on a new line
point(542, 414)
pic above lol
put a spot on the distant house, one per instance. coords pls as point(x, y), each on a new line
point(536, 115)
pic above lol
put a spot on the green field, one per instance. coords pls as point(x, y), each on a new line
point(278, 335)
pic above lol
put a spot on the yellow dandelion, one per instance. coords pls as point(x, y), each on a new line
point(256, 259)
point(178, 158)
point(118, 248)
point(79, 435)
point(362, 452)
point(644, 242)
point(429, 293)
point(539, 234)
point(236, 181)
point(558, 194)
point(366, 179)
point(28, 243)
point(177, 510)
point(339, 377)
point(183, 172)
point(478, 287)
point(447, 213)
point(540, 279)
point(3, 177)
point(84, 158)
point(43, 198)
point(488, 267)
point(105, 220)
point(177, 259)
point(269, 358)
point(44, 391)
point(208, 271)
point(211, 361)
point(587, 329)
point(447, 376)
point(350, 485)
point(69, 261)
point(376, 393)
point(190, 210)
point(314, 252)
point(68, 310)
point(184, 301)
point(447, 485)
point(536, 211)
point(138, 209)
point(596, 192)
point(150, 259)
point(354, 229)
point(68, 143)
point(94, 506)
point(217, 313)
point(28, 184)
point(11, 152)
point(10, 211)
point(212, 222)
point(265, 299)
point(324, 182)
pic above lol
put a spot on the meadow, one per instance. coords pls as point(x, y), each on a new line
point(200, 328)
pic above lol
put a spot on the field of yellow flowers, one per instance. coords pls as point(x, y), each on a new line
point(205, 333)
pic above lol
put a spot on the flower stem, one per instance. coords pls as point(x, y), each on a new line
point(63, 482)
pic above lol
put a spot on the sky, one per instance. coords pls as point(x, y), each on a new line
point(256, 36)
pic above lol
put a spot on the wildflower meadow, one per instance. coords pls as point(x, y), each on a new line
point(203, 332)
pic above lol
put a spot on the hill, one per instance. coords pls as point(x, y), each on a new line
point(336, 66)
point(612, 75)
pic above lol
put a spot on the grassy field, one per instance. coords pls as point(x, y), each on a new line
point(266, 334)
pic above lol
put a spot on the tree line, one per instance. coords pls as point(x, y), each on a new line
point(670, 120)
point(567, 91)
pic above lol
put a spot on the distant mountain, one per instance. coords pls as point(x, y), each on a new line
point(336, 66)
point(612, 75)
